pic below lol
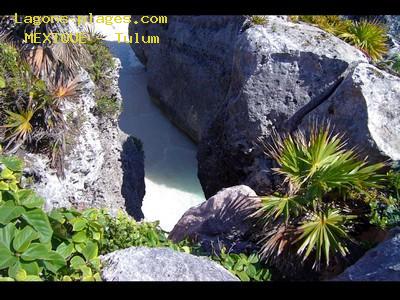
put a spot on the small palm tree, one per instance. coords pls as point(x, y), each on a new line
point(19, 126)
point(369, 37)
point(313, 216)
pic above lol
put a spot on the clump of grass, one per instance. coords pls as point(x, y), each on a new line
point(368, 36)
point(314, 220)
point(107, 106)
point(259, 20)
point(101, 59)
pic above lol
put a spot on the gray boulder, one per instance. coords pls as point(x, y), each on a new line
point(281, 72)
point(160, 264)
point(219, 221)
point(189, 72)
point(381, 263)
point(365, 106)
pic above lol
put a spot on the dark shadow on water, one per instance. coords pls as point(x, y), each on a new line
point(170, 156)
point(133, 186)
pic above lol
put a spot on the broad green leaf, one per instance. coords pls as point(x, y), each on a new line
point(31, 268)
point(97, 277)
point(21, 275)
point(14, 269)
point(6, 279)
point(12, 162)
point(6, 173)
point(97, 236)
point(23, 239)
point(251, 271)
point(77, 262)
point(7, 234)
point(79, 247)
point(33, 278)
point(4, 186)
point(55, 260)
point(65, 249)
point(7, 259)
point(3, 83)
point(36, 251)
point(79, 237)
point(39, 221)
point(66, 278)
point(78, 224)
point(30, 199)
point(57, 216)
point(86, 271)
point(243, 276)
point(7, 214)
point(90, 251)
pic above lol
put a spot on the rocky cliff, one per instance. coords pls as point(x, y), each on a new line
point(104, 166)
point(230, 83)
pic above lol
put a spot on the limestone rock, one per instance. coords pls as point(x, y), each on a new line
point(160, 264)
point(219, 221)
point(381, 263)
point(281, 72)
point(366, 107)
point(189, 71)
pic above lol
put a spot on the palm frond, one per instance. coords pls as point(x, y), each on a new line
point(323, 233)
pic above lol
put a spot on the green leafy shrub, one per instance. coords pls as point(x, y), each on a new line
point(64, 244)
point(122, 232)
point(259, 20)
point(369, 37)
point(385, 209)
point(106, 106)
point(101, 60)
point(315, 216)
point(35, 246)
point(246, 268)
point(330, 23)
point(25, 231)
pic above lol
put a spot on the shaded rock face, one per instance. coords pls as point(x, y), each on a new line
point(189, 72)
point(366, 106)
point(219, 221)
point(104, 167)
point(281, 72)
point(381, 263)
point(160, 264)
point(279, 76)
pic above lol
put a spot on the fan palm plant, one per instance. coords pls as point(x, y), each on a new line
point(70, 89)
point(19, 126)
point(313, 216)
point(61, 58)
point(369, 37)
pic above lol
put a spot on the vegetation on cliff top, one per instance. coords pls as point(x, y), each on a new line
point(329, 197)
point(64, 244)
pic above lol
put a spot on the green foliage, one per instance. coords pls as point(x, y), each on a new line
point(123, 232)
point(330, 23)
point(35, 246)
point(64, 244)
point(102, 60)
point(259, 20)
point(106, 106)
point(385, 210)
point(315, 215)
point(246, 268)
point(369, 37)
point(391, 63)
